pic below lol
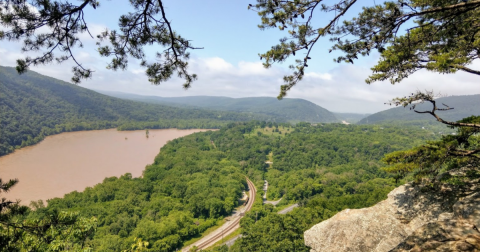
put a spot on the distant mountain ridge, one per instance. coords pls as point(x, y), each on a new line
point(33, 106)
point(464, 106)
point(288, 109)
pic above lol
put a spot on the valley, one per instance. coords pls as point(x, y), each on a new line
point(73, 161)
point(174, 176)
point(196, 181)
point(34, 106)
point(224, 126)
point(286, 110)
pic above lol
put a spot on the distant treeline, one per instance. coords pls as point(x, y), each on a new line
point(285, 110)
point(33, 106)
point(34, 135)
point(174, 123)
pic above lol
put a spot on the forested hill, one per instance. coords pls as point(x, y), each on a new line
point(33, 106)
point(287, 109)
point(464, 106)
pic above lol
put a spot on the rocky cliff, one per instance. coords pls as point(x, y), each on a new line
point(412, 218)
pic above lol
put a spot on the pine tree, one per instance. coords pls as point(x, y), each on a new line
point(440, 36)
point(460, 150)
point(52, 231)
point(145, 24)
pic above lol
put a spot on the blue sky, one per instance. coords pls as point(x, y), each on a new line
point(225, 29)
point(229, 64)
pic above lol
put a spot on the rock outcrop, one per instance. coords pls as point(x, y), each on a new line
point(410, 219)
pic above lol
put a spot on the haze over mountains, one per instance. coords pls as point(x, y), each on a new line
point(33, 106)
point(197, 181)
point(350, 117)
point(287, 109)
point(463, 106)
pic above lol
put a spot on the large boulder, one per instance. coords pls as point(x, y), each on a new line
point(412, 218)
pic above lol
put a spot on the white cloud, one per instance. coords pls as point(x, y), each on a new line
point(341, 89)
point(348, 92)
point(337, 88)
point(254, 68)
point(214, 64)
point(94, 29)
point(138, 71)
point(321, 76)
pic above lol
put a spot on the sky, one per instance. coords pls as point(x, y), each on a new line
point(229, 65)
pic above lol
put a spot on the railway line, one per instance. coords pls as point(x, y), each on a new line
point(232, 226)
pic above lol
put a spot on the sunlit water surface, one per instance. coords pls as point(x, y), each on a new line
point(75, 160)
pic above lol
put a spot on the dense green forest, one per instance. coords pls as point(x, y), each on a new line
point(197, 180)
point(33, 106)
point(285, 110)
point(463, 106)
point(326, 168)
point(187, 188)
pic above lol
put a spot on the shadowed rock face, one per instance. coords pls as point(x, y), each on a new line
point(410, 219)
point(460, 233)
point(451, 235)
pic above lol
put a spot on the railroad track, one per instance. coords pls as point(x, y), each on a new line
point(233, 225)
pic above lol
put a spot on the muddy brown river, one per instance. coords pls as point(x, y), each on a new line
point(75, 160)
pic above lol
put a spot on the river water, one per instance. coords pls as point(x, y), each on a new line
point(75, 160)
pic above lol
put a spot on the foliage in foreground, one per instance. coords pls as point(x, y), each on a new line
point(453, 152)
point(23, 230)
point(410, 35)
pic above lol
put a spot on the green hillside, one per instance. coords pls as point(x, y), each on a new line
point(33, 106)
point(464, 106)
point(291, 110)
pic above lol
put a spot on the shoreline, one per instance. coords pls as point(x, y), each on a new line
point(73, 161)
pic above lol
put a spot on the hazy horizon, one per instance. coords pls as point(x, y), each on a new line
point(229, 64)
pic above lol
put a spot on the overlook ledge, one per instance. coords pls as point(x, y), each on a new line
point(410, 219)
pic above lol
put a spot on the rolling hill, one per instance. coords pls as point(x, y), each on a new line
point(33, 106)
point(464, 106)
point(291, 110)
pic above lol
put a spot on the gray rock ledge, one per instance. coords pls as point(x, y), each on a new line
point(410, 219)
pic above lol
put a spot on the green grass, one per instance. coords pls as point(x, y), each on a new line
point(270, 156)
point(271, 131)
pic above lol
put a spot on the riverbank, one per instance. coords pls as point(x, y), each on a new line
point(72, 161)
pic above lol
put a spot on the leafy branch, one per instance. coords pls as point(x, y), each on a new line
point(461, 150)
point(428, 96)
point(442, 37)
point(146, 25)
